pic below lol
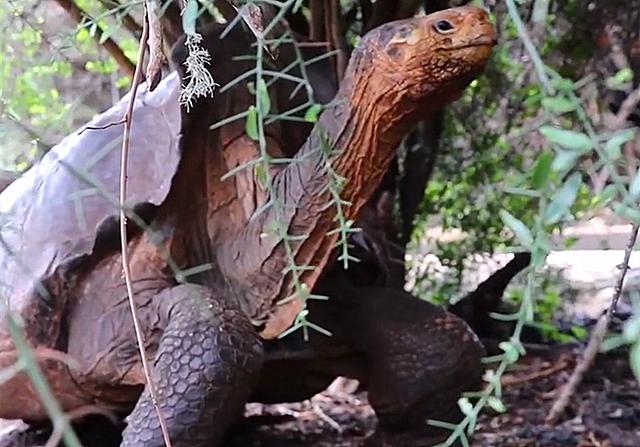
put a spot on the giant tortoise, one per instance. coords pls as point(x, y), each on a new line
point(210, 276)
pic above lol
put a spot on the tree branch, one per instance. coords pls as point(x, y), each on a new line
point(316, 25)
point(597, 336)
point(109, 44)
point(127, 21)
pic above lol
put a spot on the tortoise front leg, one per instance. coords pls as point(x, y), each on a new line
point(208, 359)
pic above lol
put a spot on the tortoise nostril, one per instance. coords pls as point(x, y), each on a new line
point(482, 15)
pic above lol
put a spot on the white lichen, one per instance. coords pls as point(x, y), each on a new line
point(200, 81)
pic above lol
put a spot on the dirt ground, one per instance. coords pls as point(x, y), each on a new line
point(604, 413)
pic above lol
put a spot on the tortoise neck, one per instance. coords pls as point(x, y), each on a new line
point(366, 124)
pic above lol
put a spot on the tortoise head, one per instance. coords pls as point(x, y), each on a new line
point(433, 54)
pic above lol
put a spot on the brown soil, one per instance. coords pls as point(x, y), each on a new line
point(604, 413)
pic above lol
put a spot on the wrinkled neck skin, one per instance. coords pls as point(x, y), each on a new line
point(358, 134)
point(377, 111)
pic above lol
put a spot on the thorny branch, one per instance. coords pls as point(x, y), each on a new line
point(597, 336)
point(137, 78)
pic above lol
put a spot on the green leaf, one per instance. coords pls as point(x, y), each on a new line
point(106, 34)
point(496, 404)
point(608, 193)
point(563, 199)
point(465, 406)
point(263, 97)
point(441, 424)
point(614, 144)
point(189, 17)
point(617, 81)
point(297, 6)
point(541, 170)
point(510, 351)
point(522, 191)
point(251, 126)
point(558, 105)
point(611, 343)
point(262, 178)
point(634, 359)
point(634, 189)
point(631, 331)
point(312, 113)
point(539, 257)
point(579, 332)
point(518, 227)
point(568, 139)
point(564, 161)
point(570, 241)
point(563, 84)
point(626, 212)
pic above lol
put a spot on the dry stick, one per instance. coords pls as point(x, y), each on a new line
point(156, 56)
point(597, 336)
point(627, 107)
point(511, 380)
point(123, 227)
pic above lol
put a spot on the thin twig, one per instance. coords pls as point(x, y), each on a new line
point(106, 126)
point(512, 380)
point(627, 107)
point(137, 77)
point(597, 336)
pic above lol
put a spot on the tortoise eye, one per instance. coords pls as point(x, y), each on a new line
point(444, 27)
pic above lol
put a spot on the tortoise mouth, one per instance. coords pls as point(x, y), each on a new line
point(484, 42)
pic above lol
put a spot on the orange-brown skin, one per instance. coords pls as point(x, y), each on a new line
point(400, 73)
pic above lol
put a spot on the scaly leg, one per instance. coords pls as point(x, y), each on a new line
point(417, 357)
point(208, 359)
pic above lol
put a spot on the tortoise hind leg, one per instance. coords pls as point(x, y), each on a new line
point(208, 359)
point(418, 358)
